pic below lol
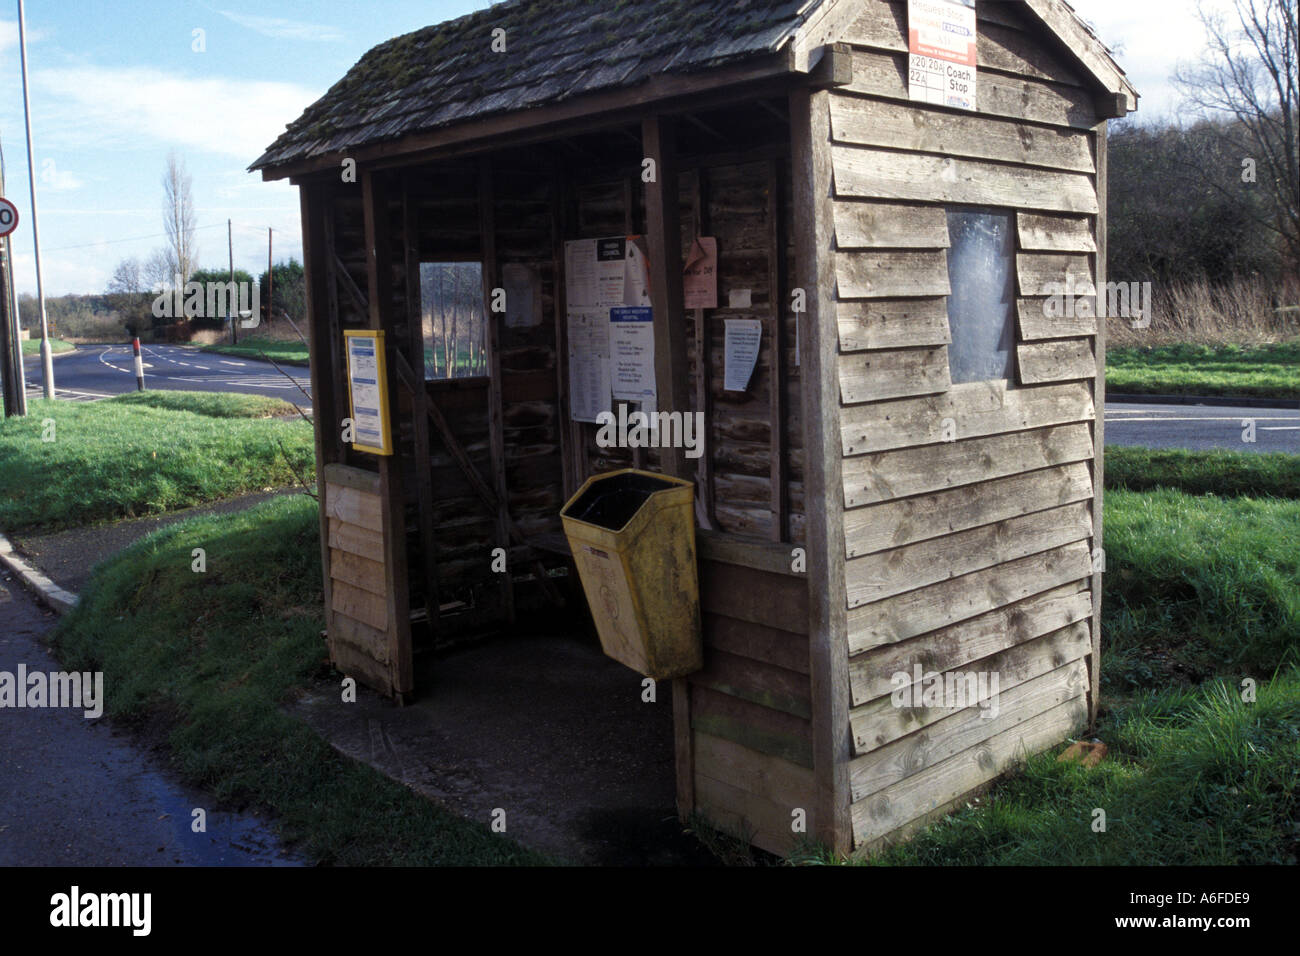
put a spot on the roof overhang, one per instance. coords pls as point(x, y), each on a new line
point(667, 93)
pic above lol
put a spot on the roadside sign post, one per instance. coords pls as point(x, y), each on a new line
point(13, 387)
point(139, 365)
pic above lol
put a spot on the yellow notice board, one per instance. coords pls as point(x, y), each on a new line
point(368, 391)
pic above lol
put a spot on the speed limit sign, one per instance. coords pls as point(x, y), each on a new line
point(8, 217)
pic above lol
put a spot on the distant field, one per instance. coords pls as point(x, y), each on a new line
point(33, 346)
point(1262, 371)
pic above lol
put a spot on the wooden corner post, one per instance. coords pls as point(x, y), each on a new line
point(664, 237)
point(379, 282)
point(828, 608)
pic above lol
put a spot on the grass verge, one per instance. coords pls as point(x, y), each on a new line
point(215, 404)
point(215, 655)
point(1198, 586)
point(284, 352)
point(1193, 777)
point(1262, 371)
point(70, 463)
point(1226, 473)
point(33, 346)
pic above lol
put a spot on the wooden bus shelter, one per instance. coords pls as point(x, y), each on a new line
point(910, 480)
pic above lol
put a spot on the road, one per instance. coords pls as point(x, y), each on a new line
point(76, 792)
point(98, 371)
point(1200, 427)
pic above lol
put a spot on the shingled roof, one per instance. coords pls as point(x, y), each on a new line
point(555, 49)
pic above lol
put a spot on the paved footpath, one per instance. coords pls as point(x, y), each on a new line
point(76, 792)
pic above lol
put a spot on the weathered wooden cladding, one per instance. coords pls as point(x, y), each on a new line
point(872, 173)
point(895, 805)
point(959, 731)
point(877, 576)
point(1040, 232)
point(899, 522)
point(892, 323)
point(871, 674)
point(865, 121)
point(1047, 319)
point(972, 409)
point(956, 599)
point(1049, 273)
point(884, 75)
point(862, 275)
point(889, 475)
point(895, 373)
point(883, 225)
point(1056, 361)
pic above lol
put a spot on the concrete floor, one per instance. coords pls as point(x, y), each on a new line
point(545, 728)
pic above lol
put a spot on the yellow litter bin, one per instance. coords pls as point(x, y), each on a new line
point(633, 539)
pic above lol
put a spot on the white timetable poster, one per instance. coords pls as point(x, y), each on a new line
point(941, 52)
point(632, 354)
point(589, 374)
point(367, 391)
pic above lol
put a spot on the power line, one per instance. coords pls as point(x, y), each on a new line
point(109, 242)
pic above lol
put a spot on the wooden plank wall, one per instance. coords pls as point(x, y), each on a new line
point(732, 202)
point(357, 622)
point(970, 554)
point(751, 705)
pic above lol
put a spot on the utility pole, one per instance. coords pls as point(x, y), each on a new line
point(11, 361)
point(230, 309)
point(47, 361)
point(270, 277)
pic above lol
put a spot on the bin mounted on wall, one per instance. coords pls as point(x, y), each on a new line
point(633, 539)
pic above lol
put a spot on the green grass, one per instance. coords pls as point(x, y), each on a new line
point(121, 459)
point(1201, 593)
point(214, 656)
point(33, 346)
point(1264, 371)
point(283, 352)
point(215, 404)
point(1198, 586)
point(1193, 777)
point(1225, 473)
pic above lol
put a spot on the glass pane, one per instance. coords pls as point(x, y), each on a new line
point(451, 305)
point(982, 304)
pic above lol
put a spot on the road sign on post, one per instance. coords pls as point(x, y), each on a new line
point(8, 217)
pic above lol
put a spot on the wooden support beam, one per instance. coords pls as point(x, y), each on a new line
point(776, 353)
point(359, 298)
point(496, 413)
point(313, 201)
point(814, 231)
point(419, 403)
point(485, 493)
point(378, 239)
point(565, 426)
point(629, 229)
point(1098, 429)
point(703, 367)
point(663, 233)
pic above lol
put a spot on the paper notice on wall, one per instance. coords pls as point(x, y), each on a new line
point(740, 351)
point(941, 52)
point(700, 275)
point(636, 274)
point(580, 274)
point(589, 372)
point(611, 272)
point(632, 354)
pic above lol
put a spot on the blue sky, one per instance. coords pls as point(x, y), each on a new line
point(116, 85)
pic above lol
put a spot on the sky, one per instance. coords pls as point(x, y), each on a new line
point(117, 84)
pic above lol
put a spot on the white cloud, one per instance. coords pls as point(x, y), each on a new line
point(132, 106)
point(282, 29)
point(9, 35)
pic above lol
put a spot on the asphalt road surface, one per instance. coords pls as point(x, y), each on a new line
point(1200, 427)
point(98, 371)
point(77, 792)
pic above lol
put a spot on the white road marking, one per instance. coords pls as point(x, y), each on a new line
point(240, 364)
point(1222, 418)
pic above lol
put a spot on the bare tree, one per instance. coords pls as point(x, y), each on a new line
point(156, 270)
point(179, 220)
point(1249, 74)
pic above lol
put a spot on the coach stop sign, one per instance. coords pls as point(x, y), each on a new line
point(8, 217)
